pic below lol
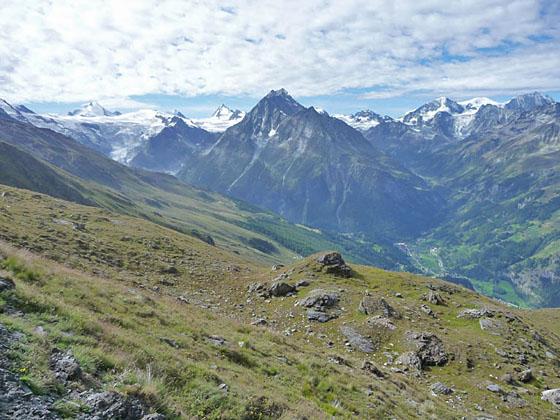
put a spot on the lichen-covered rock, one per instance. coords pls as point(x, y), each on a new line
point(429, 348)
point(493, 326)
point(370, 305)
point(356, 340)
point(333, 263)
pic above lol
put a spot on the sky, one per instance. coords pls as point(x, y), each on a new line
point(342, 56)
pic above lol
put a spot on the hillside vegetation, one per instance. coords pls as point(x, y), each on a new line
point(177, 326)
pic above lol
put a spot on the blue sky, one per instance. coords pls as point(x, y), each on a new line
point(343, 56)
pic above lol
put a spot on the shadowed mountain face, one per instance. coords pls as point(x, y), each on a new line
point(313, 169)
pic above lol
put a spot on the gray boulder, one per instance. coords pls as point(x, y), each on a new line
point(434, 298)
point(320, 298)
point(552, 396)
point(280, 288)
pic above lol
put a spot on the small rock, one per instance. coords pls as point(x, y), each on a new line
point(223, 387)
point(371, 368)
point(427, 310)
point(277, 267)
point(302, 283)
point(259, 321)
point(440, 388)
point(494, 388)
point(526, 376)
point(399, 295)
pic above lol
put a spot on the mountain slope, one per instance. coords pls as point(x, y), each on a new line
point(234, 225)
point(313, 169)
point(164, 323)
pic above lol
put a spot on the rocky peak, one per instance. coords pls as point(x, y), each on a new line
point(529, 102)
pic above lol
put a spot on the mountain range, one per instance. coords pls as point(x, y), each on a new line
point(462, 190)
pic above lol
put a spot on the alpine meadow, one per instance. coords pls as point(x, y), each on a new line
point(279, 210)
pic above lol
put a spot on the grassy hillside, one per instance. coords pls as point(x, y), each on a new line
point(179, 324)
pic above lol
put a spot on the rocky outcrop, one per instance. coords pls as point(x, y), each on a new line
point(429, 348)
point(475, 313)
point(321, 305)
point(334, 264)
point(433, 298)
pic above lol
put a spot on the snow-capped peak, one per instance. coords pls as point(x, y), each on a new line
point(222, 118)
point(363, 120)
point(474, 104)
point(92, 109)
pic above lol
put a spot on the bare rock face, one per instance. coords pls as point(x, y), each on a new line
point(334, 264)
point(440, 388)
point(429, 348)
point(475, 313)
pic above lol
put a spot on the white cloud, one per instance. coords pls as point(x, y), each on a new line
point(78, 50)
